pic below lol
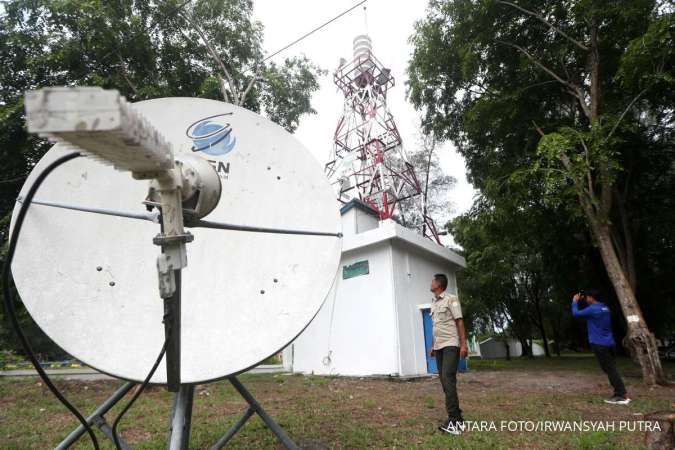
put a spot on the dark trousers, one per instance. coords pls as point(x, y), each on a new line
point(447, 360)
point(605, 357)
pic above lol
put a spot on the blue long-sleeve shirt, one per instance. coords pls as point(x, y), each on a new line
point(599, 322)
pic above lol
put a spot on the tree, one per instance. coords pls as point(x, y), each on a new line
point(199, 48)
point(435, 183)
point(282, 92)
point(513, 267)
point(562, 91)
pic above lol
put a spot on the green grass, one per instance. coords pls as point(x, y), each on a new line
point(274, 359)
point(333, 412)
point(579, 362)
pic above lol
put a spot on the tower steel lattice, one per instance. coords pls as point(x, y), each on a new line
point(368, 161)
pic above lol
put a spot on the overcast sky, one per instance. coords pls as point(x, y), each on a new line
point(389, 25)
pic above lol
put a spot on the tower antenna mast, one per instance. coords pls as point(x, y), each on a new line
point(368, 160)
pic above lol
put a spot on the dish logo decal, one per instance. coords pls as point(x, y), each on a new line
point(212, 135)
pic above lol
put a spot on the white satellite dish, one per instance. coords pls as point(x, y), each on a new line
point(90, 280)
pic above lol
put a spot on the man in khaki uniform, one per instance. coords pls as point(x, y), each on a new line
point(449, 345)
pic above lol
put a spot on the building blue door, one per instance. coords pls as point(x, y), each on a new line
point(428, 340)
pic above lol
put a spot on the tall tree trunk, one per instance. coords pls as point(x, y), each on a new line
point(639, 341)
point(556, 336)
point(628, 247)
point(540, 324)
point(527, 350)
point(426, 192)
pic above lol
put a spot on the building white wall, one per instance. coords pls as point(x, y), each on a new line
point(356, 221)
point(412, 275)
point(362, 333)
point(372, 324)
point(365, 222)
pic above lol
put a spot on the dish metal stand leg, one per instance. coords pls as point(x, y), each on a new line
point(181, 418)
point(254, 407)
point(96, 418)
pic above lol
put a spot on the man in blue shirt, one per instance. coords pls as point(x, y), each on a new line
point(599, 321)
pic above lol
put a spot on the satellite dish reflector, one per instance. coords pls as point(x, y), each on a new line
point(90, 281)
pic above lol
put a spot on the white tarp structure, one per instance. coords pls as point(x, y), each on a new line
point(496, 348)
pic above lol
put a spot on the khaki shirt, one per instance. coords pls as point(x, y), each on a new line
point(444, 310)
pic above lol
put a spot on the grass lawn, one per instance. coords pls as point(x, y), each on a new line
point(329, 412)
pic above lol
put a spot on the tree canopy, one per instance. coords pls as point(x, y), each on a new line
point(562, 108)
point(435, 184)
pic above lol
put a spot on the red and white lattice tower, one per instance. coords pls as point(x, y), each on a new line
point(368, 161)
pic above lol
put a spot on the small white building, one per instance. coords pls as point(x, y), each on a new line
point(375, 320)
